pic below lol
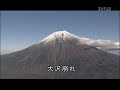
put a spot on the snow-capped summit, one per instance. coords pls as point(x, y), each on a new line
point(60, 37)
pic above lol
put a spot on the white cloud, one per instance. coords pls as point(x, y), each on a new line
point(100, 43)
point(117, 43)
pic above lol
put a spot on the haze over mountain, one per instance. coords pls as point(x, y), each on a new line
point(64, 49)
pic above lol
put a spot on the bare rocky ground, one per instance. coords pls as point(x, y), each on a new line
point(33, 62)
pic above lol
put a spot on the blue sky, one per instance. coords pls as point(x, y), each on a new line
point(20, 29)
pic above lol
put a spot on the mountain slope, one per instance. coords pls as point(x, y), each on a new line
point(63, 49)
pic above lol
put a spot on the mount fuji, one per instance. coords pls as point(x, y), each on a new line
point(61, 48)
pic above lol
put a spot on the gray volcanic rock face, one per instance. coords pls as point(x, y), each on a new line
point(63, 49)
